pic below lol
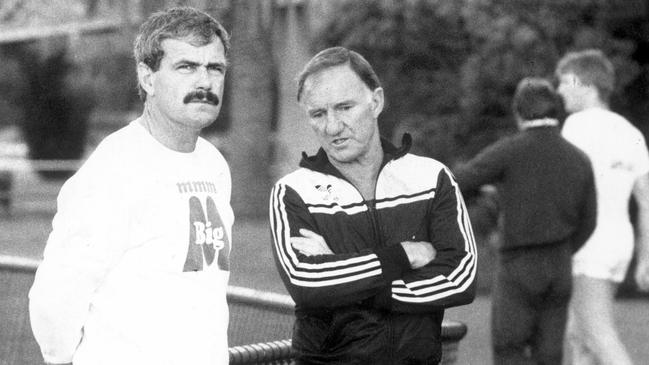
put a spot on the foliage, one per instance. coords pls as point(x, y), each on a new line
point(515, 39)
point(55, 114)
point(443, 60)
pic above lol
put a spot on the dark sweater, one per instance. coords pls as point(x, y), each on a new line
point(546, 187)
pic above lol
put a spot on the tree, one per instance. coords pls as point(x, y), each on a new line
point(252, 107)
point(55, 113)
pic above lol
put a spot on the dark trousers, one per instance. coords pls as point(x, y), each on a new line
point(360, 336)
point(530, 303)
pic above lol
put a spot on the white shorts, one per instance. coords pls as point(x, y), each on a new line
point(606, 255)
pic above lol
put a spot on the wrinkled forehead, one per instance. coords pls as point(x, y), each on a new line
point(333, 84)
point(188, 47)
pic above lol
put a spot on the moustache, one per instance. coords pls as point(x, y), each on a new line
point(201, 96)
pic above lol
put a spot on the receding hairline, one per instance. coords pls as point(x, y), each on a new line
point(308, 79)
point(336, 56)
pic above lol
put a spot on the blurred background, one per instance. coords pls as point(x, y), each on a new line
point(449, 69)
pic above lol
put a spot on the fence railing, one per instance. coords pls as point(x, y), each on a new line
point(23, 189)
point(22, 164)
point(259, 332)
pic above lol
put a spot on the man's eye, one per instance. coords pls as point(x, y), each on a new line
point(219, 69)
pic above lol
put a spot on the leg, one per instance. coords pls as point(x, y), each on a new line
point(549, 339)
point(575, 351)
point(512, 323)
point(594, 327)
point(549, 345)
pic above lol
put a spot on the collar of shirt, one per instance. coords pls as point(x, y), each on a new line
point(534, 123)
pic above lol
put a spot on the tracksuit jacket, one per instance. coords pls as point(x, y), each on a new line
point(364, 304)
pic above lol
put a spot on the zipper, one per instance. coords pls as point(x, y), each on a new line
point(374, 221)
point(371, 207)
point(373, 212)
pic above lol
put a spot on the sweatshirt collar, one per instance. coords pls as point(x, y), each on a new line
point(535, 123)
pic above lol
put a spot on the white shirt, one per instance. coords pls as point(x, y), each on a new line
point(618, 154)
point(136, 268)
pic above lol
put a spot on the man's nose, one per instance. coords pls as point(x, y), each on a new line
point(203, 78)
point(334, 123)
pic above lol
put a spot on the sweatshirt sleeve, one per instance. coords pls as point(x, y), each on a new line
point(88, 236)
point(486, 167)
point(448, 280)
point(326, 280)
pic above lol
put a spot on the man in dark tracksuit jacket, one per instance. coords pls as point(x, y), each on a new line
point(546, 187)
point(371, 259)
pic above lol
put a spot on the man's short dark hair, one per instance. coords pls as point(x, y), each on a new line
point(196, 26)
point(592, 68)
point(536, 98)
point(337, 56)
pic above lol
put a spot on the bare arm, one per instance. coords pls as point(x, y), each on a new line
point(641, 194)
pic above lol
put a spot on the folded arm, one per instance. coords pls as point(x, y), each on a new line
point(325, 280)
point(449, 279)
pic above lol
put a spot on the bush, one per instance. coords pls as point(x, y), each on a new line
point(55, 113)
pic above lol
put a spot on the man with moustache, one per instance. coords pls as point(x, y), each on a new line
point(372, 242)
point(136, 268)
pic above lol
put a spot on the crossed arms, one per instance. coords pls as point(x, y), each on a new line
point(411, 276)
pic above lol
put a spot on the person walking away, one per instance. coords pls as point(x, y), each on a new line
point(620, 160)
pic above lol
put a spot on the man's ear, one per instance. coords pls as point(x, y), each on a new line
point(378, 99)
point(145, 77)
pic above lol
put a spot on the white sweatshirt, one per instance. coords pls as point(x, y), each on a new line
point(136, 268)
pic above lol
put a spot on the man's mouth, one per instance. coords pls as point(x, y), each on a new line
point(339, 141)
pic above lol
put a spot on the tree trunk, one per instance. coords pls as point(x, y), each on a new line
point(252, 105)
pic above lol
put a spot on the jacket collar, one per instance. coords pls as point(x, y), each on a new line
point(320, 161)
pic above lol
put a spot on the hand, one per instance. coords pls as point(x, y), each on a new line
point(310, 244)
point(420, 253)
point(642, 273)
